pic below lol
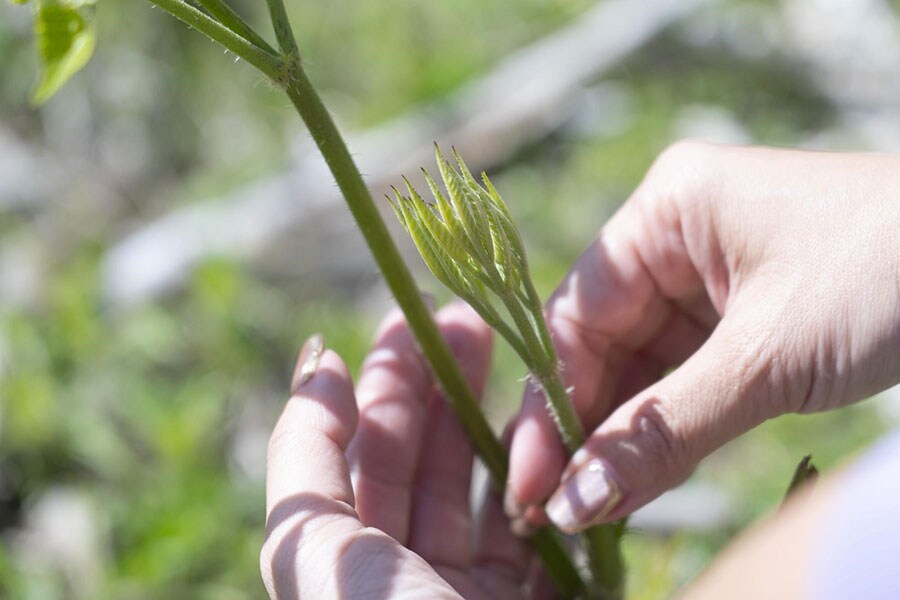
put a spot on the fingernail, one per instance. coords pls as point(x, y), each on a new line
point(522, 528)
point(580, 457)
point(512, 507)
point(585, 498)
point(307, 361)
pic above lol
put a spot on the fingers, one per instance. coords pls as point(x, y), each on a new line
point(411, 458)
point(392, 392)
point(306, 450)
point(307, 481)
point(501, 559)
point(653, 441)
point(441, 527)
point(631, 306)
point(606, 308)
point(315, 545)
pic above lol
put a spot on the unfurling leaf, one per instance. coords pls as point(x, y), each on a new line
point(65, 37)
point(469, 242)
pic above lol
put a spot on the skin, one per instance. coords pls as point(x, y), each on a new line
point(769, 278)
point(401, 524)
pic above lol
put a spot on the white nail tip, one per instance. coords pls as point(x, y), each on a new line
point(586, 497)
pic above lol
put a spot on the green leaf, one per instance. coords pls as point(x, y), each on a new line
point(465, 211)
point(65, 37)
point(438, 229)
point(506, 222)
point(448, 216)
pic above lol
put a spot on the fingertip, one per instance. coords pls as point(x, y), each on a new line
point(644, 448)
point(306, 449)
point(395, 317)
point(330, 386)
point(589, 497)
point(536, 460)
point(393, 321)
point(332, 363)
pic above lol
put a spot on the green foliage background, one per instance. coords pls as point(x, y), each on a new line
point(141, 410)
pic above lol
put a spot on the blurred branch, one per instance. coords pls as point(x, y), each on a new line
point(525, 98)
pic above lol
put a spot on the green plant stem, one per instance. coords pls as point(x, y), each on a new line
point(233, 21)
point(543, 364)
point(501, 327)
point(283, 31)
point(537, 309)
point(288, 72)
point(402, 285)
point(270, 65)
point(602, 542)
point(397, 276)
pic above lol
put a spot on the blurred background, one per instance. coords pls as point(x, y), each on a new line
point(168, 238)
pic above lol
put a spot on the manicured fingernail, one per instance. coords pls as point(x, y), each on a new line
point(307, 361)
point(580, 457)
point(585, 498)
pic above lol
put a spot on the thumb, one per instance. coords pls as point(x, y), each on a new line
point(653, 441)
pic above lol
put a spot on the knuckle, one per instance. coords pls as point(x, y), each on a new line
point(272, 566)
point(680, 155)
point(302, 533)
point(655, 436)
point(679, 172)
point(265, 566)
point(686, 151)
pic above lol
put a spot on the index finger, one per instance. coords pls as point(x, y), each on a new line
point(306, 450)
point(315, 544)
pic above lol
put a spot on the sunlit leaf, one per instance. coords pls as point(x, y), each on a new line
point(65, 37)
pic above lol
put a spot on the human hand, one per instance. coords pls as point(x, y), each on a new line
point(401, 525)
point(769, 278)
